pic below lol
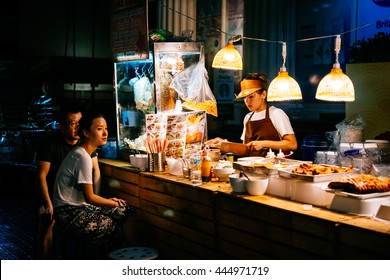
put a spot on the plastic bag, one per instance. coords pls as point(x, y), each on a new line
point(356, 121)
point(192, 86)
point(143, 94)
point(351, 129)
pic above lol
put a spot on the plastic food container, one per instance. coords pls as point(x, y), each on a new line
point(362, 207)
point(311, 192)
point(279, 186)
point(139, 160)
point(358, 204)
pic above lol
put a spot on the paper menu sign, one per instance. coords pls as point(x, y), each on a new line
point(196, 123)
point(156, 125)
point(176, 135)
point(182, 130)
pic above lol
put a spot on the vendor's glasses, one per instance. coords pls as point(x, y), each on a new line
point(72, 124)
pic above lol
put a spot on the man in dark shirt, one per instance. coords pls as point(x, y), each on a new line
point(49, 158)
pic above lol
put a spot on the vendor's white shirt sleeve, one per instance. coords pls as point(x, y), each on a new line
point(75, 169)
point(279, 119)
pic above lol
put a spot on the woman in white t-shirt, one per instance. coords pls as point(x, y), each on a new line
point(78, 210)
point(265, 126)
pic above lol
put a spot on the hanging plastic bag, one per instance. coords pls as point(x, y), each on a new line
point(351, 129)
point(143, 94)
point(192, 86)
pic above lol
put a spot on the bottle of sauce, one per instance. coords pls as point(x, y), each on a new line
point(230, 157)
point(206, 167)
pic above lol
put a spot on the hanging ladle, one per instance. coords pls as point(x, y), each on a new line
point(243, 173)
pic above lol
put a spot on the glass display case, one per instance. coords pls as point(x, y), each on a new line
point(134, 96)
point(142, 87)
point(170, 59)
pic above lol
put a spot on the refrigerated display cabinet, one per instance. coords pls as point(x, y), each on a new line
point(134, 96)
point(143, 87)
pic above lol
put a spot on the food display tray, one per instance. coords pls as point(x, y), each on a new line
point(249, 165)
point(358, 196)
point(287, 173)
point(250, 168)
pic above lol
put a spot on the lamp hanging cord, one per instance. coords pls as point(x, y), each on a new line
point(234, 38)
point(284, 56)
point(337, 48)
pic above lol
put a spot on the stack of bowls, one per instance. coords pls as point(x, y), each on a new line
point(255, 185)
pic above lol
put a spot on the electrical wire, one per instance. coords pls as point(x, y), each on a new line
point(276, 41)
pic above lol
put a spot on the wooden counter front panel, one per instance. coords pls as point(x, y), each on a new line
point(358, 243)
point(120, 183)
point(259, 231)
point(177, 218)
point(120, 189)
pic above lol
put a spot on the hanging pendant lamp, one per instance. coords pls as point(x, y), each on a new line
point(283, 87)
point(228, 58)
point(336, 86)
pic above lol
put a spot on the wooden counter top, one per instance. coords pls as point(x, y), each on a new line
point(288, 205)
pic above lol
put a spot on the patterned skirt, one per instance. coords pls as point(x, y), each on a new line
point(96, 224)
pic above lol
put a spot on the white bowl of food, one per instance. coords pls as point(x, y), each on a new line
point(237, 182)
point(256, 185)
point(214, 154)
point(223, 173)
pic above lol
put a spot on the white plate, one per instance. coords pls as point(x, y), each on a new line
point(252, 159)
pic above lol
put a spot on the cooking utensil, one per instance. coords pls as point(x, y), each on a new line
point(246, 176)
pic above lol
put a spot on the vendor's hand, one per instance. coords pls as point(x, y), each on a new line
point(215, 143)
point(255, 145)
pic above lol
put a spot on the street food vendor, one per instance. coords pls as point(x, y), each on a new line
point(265, 126)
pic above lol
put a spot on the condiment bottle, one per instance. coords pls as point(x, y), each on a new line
point(230, 157)
point(211, 173)
point(270, 154)
point(280, 154)
point(206, 167)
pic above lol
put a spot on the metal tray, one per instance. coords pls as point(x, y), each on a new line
point(287, 173)
point(263, 170)
point(254, 169)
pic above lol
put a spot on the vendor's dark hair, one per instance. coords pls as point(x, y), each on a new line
point(257, 76)
point(62, 114)
point(87, 119)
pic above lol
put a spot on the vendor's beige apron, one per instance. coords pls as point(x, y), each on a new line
point(260, 130)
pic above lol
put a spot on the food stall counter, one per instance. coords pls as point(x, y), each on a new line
point(213, 222)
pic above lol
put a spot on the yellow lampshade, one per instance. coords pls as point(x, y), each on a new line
point(283, 88)
point(336, 86)
point(228, 58)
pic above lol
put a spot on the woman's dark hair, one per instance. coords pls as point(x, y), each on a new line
point(86, 121)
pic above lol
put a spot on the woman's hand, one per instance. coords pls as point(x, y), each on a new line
point(120, 202)
point(255, 145)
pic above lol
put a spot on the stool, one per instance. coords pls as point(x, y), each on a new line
point(134, 253)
